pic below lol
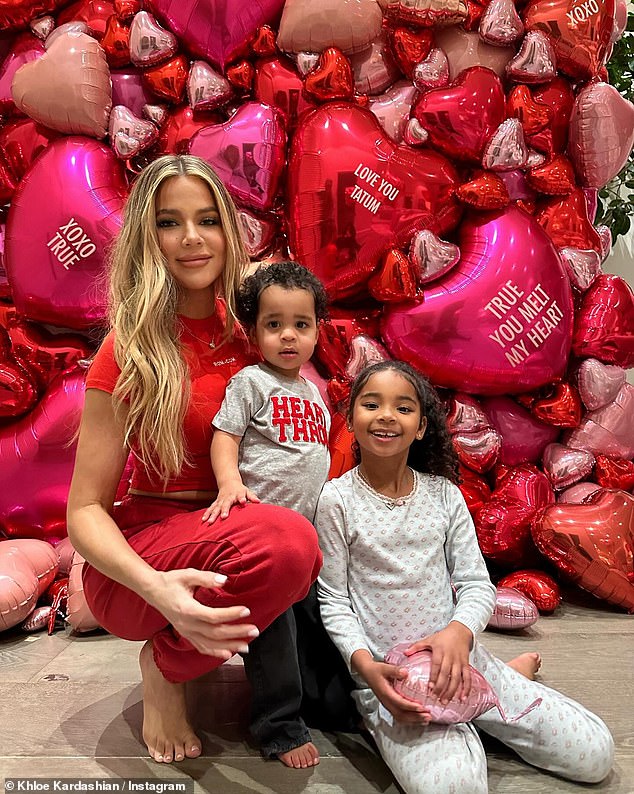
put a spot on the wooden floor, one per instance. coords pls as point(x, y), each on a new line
point(71, 707)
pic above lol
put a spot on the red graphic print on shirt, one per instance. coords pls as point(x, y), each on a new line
point(299, 420)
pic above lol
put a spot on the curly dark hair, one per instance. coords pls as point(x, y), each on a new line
point(434, 453)
point(288, 275)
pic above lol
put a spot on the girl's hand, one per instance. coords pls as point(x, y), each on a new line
point(450, 671)
point(210, 630)
point(379, 677)
point(234, 494)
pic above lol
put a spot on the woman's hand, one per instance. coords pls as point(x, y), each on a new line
point(450, 671)
point(210, 630)
point(229, 495)
point(379, 677)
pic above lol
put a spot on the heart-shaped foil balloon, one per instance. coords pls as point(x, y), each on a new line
point(604, 323)
point(364, 352)
point(432, 71)
point(558, 404)
point(611, 473)
point(610, 429)
point(599, 383)
point(478, 450)
point(331, 78)
point(524, 436)
point(278, 83)
point(307, 26)
point(62, 219)
point(535, 62)
point(583, 267)
point(578, 493)
point(206, 89)
point(150, 44)
point(491, 325)
point(123, 122)
point(506, 149)
point(247, 152)
point(68, 88)
point(501, 24)
point(592, 544)
point(465, 415)
point(218, 32)
point(513, 610)
point(343, 168)
point(395, 280)
point(25, 49)
point(567, 223)
point(541, 588)
point(480, 699)
point(566, 466)
point(374, 68)
point(392, 108)
point(580, 32)
point(432, 256)
point(503, 525)
point(27, 567)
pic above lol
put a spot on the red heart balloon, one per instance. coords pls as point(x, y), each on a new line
point(278, 83)
point(331, 78)
point(21, 141)
point(181, 125)
point(94, 13)
point(263, 42)
point(342, 457)
point(474, 488)
point(533, 115)
point(461, 117)
point(503, 524)
point(483, 328)
point(169, 79)
point(611, 473)
point(485, 192)
point(395, 280)
point(478, 450)
point(560, 406)
point(555, 178)
point(604, 324)
point(592, 544)
point(247, 152)
point(567, 223)
point(580, 32)
point(559, 97)
point(240, 75)
point(410, 47)
point(116, 42)
point(64, 215)
point(542, 589)
point(344, 170)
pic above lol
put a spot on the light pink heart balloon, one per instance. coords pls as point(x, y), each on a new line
point(217, 31)
point(480, 699)
point(206, 89)
point(42, 27)
point(432, 256)
point(601, 133)
point(523, 436)
point(478, 450)
point(513, 610)
point(75, 27)
point(566, 466)
point(363, 352)
point(123, 122)
point(599, 383)
point(415, 134)
point(150, 44)
point(305, 61)
point(608, 430)
point(466, 415)
point(506, 149)
point(432, 71)
point(465, 49)
point(500, 23)
point(62, 219)
point(26, 48)
point(535, 62)
point(583, 267)
point(605, 237)
point(157, 114)
point(577, 494)
point(257, 233)
point(37, 455)
point(492, 325)
point(392, 108)
point(374, 68)
point(248, 152)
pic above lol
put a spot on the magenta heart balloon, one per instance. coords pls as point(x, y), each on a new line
point(523, 436)
point(353, 194)
point(64, 215)
point(37, 458)
point(26, 48)
point(218, 31)
point(480, 699)
point(247, 152)
point(492, 325)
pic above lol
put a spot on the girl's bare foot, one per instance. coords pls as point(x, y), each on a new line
point(301, 757)
point(527, 664)
point(166, 730)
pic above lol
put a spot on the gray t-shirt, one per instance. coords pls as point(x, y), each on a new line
point(284, 424)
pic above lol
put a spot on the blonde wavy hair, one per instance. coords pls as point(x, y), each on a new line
point(154, 379)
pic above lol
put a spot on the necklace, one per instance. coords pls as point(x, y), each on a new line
point(388, 501)
point(208, 342)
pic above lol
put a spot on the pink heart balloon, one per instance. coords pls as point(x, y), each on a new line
point(492, 325)
point(583, 267)
point(501, 24)
point(599, 383)
point(432, 256)
point(432, 71)
point(247, 152)
point(363, 352)
point(466, 415)
point(26, 48)
point(578, 493)
point(523, 436)
point(37, 456)
point(123, 122)
point(64, 215)
point(480, 699)
point(513, 610)
point(27, 568)
point(462, 116)
point(506, 149)
point(374, 68)
point(478, 450)
point(257, 233)
point(393, 107)
point(566, 466)
point(353, 194)
point(150, 44)
point(535, 62)
point(608, 430)
point(601, 133)
point(218, 32)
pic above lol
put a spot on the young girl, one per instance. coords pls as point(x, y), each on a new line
point(396, 533)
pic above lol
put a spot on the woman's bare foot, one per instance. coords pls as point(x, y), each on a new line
point(527, 664)
point(301, 757)
point(166, 730)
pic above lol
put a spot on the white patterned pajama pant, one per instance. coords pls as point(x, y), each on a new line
point(560, 736)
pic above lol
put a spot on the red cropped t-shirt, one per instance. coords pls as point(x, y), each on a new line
point(211, 368)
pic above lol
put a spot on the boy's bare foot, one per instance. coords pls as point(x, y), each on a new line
point(166, 729)
point(527, 664)
point(301, 757)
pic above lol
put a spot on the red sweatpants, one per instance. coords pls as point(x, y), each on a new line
point(269, 555)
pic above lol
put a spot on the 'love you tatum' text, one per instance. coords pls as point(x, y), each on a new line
point(527, 320)
point(70, 244)
point(371, 179)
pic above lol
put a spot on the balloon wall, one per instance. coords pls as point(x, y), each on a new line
point(435, 162)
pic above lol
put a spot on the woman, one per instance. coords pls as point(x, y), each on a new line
point(154, 570)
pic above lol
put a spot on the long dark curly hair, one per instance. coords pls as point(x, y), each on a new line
point(434, 453)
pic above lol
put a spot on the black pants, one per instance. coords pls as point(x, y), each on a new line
point(298, 678)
